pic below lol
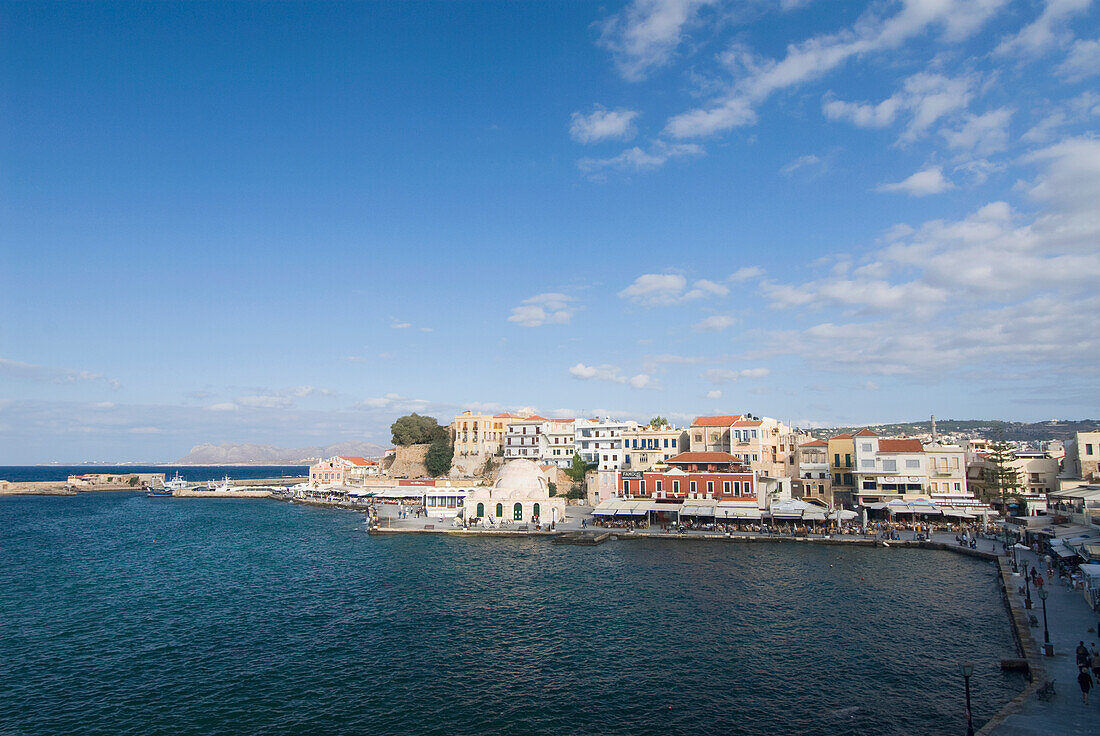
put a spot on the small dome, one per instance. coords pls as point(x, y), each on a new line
point(521, 478)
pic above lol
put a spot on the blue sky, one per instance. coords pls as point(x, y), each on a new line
point(292, 223)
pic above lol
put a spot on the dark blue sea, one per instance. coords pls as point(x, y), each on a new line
point(121, 614)
point(193, 473)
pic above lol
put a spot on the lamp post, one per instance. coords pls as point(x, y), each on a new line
point(1047, 648)
point(967, 670)
point(1027, 588)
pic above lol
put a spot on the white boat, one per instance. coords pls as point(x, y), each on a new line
point(176, 484)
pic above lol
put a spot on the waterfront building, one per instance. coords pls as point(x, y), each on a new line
point(1036, 472)
point(520, 494)
point(646, 446)
point(600, 442)
point(558, 442)
point(343, 470)
point(523, 438)
point(841, 453)
point(478, 438)
point(1081, 463)
point(693, 475)
point(886, 469)
point(811, 478)
point(763, 443)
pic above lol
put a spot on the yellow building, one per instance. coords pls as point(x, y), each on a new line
point(842, 453)
point(644, 446)
point(477, 438)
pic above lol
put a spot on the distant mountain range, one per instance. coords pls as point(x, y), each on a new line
point(1054, 429)
point(232, 454)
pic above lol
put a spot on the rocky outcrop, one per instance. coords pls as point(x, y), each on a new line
point(408, 462)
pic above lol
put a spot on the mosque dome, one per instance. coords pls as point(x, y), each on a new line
point(522, 477)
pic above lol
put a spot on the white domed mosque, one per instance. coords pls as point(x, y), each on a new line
point(520, 494)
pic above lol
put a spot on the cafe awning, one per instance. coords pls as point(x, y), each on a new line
point(605, 508)
point(696, 510)
point(737, 512)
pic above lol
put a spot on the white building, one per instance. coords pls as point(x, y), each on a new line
point(600, 442)
point(558, 442)
point(523, 438)
point(520, 494)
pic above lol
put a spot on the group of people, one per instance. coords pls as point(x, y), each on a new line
point(1087, 660)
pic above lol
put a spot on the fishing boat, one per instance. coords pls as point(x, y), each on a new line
point(167, 488)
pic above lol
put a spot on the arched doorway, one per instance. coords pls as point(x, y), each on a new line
point(481, 511)
point(500, 511)
point(535, 511)
point(517, 512)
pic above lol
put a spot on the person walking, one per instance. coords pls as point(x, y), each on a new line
point(1082, 655)
point(1085, 682)
point(1094, 660)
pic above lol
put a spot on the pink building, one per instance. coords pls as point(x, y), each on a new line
point(342, 471)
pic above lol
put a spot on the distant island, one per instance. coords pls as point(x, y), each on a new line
point(250, 454)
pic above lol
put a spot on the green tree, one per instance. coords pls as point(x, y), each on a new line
point(438, 459)
point(415, 429)
point(1001, 478)
point(553, 488)
point(133, 480)
point(578, 469)
point(658, 421)
point(575, 492)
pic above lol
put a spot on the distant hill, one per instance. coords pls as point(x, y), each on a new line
point(993, 429)
point(231, 453)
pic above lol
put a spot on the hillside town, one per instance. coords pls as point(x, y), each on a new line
point(735, 468)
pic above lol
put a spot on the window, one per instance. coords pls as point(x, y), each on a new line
point(641, 485)
point(836, 460)
point(693, 486)
point(500, 510)
point(535, 511)
point(912, 463)
point(726, 487)
point(847, 479)
point(674, 442)
point(958, 487)
point(1088, 449)
point(847, 460)
point(890, 465)
point(865, 447)
point(660, 486)
point(626, 486)
point(675, 486)
point(867, 464)
point(710, 487)
point(517, 512)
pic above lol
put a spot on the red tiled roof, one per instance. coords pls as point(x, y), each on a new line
point(563, 420)
point(748, 423)
point(704, 457)
point(900, 446)
point(720, 421)
point(506, 415)
point(816, 443)
point(841, 437)
point(865, 433)
point(354, 460)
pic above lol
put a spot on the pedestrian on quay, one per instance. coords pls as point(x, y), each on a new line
point(1085, 682)
point(1094, 660)
point(1082, 655)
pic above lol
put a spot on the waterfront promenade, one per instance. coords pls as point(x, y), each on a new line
point(1070, 620)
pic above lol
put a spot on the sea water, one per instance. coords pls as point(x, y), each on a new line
point(121, 614)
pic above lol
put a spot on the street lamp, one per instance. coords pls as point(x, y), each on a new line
point(967, 670)
point(1027, 588)
point(1047, 648)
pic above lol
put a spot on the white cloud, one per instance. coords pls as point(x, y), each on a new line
point(745, 273)
point(550, 308)
point(45, 374)
point(611, 374)
point(981, 134)
point(715, 323)
point(224, 406)
point(644, 35)
point(714, 394)
point(725, 375)
point(641, 159)
point(758, 78)
point(653, 289)
point(264, 402)
point(924, 182)
point(401, 325)
point(602, 124)
point(1082, 62)
point(800, 163)
point(1045, 32)
point(926, 97)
